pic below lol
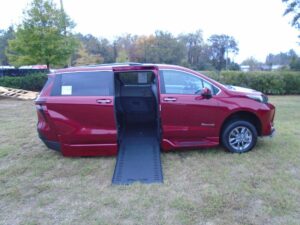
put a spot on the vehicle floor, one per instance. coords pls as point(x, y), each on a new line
point(139, 156)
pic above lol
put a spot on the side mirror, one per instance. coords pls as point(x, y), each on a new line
point(206, 93)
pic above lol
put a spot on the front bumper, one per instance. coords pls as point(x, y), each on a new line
point(273, 131)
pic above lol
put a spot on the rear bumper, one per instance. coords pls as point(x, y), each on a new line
point(50, 144)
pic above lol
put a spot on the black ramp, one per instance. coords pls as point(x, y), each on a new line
point(138, 157)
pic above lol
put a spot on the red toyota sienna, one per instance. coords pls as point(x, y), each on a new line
point(92, 110)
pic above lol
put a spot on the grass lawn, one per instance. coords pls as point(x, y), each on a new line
point(210, 186)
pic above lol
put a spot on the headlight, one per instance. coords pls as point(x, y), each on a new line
point(259, 98)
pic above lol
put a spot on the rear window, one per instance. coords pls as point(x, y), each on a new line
point(84, 84)
point(48, 82)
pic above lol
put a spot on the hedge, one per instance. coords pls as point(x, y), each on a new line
point(277, 83)
point(20, 72)
point(32, 82)
point(273, 83)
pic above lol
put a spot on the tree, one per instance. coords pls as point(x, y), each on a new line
point(293, 8)
point(144, 49)
point(253, 63)
point(83, 57)
point(107, 50)
point(125, 46)
point(167, 49)
point(98, 46)
point(5, 36)
point(295, 63)
point(162, 47)
point(283, 58)
point(234, 66)
point(196, 49)
point(90, 42)
point(122, 56)
point(147, 49)
point(44, 37)
point(220, 48)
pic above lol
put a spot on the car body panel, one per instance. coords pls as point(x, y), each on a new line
point(83, 123)
point(189, 121)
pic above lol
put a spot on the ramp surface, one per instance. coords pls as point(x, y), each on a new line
point(17, 93)
point(138, 157)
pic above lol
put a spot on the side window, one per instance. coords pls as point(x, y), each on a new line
point(84, 84)
point(213, 88)
point(176, 82)
point(209, 86)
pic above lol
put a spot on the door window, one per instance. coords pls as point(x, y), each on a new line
point(177, 82)
point(84, 84)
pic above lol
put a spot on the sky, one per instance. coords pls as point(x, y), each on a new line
point(257, 25)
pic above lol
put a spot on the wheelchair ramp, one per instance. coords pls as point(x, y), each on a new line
point(17, 93)
point(138, 157)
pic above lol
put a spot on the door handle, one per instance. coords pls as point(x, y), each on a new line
point(170, 99)
point(103, 101)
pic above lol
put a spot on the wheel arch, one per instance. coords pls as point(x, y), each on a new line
point(243, 115)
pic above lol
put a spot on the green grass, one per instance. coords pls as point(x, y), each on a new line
point(208, 186)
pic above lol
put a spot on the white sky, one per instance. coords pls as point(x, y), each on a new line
point(257, 25)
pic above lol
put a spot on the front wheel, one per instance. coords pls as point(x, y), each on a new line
point(239, 136)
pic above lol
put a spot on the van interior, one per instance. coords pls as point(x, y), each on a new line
point(137, 116)
point(136, 106)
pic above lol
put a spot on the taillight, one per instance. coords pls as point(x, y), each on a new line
point(41, 111)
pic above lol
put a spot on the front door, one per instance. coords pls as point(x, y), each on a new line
point(187, 118)
point(82, 109)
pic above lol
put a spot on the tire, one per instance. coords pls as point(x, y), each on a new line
point(239, 136)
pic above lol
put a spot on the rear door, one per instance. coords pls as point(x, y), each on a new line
point(82, 109)
point(187, 119)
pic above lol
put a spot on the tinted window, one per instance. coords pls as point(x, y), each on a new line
point(48, 82)
point(84, 84)
point(136, 78)
point(208, 85)
point(177, 82)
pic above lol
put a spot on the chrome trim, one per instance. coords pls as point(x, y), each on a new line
point(103, 101)
point(170, 99)
point(140, 70)
point(208, 124)
point(83, 71)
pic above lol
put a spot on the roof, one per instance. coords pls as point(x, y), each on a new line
point(128, 66)
point(115, 67)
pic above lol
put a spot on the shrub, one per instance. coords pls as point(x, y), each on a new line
point(292, 83)
point(277, 82)
point(32, 82)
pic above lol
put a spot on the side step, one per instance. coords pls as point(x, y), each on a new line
point(138, 160)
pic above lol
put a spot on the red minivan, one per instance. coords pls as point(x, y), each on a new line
point(90, 110)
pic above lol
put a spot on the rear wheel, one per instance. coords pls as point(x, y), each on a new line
point(239, 136)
